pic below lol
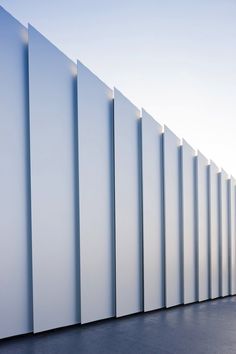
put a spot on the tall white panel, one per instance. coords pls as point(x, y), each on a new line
point(128, 220)
point(15, 238)
point(153, 227)
point(224, 233)
point(96, 194)
point(53, 116)
point(202, 228)
point(214, 231)
point(189, 223)
point(173, 238)
point(232, 235)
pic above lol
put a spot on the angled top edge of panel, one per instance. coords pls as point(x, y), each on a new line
point(202, 157)
point(169, 131)
point(9, 17)
point(147, 116)
point(224, 174)
point(187, 146)
point(82, 67)
point(232, 179)
point(214, 166)
point(33, 31)
point(119, 94)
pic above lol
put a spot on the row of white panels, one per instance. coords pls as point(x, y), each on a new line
point(103, 212)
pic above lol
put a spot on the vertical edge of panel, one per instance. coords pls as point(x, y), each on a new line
point(214, 230)
point(96, 194)
point(54, 190)
point(172, 215)
point(232, 234)
point(153, 227)
point(203, 245)
point(189, 224)
point(224, 234)
point(15, 230)
point(128, 206)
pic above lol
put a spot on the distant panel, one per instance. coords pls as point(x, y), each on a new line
point(173, 239)
point(153, 231)
point(214, 231)
point(232, 235)
point(15, 238)
point(128, 210)
point(224, 233)
point(96, 191)
point(189, 224)
point(202, 228)
point(53, 169)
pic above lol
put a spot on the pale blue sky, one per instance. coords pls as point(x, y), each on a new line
point(177, 59)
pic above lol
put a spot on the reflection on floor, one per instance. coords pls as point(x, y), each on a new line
point(207, 328)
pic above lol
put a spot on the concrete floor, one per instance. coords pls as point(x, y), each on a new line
point(208, 327)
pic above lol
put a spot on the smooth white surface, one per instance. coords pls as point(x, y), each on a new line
point(53, 168)
point(189, 223)
point(55, 199)
point(128, 221)
point(96, 195)
point(232, 238)
point(15, 238)
point(214, 228)
point(202, 228)
point(153, 205)
point(173, 239)
point(224, 233)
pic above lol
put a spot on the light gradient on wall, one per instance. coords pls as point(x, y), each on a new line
point(128, 213)
point(103, 214)
point(232, 234)
point(203, 247)
point(55, 236)
point(153, 212)
point(15, 242)
point(189, 223)
point(173, 222)
point(214, 231)
point(96, 197)
point(224, 233)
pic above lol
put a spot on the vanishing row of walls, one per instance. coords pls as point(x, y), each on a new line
point(103, 212)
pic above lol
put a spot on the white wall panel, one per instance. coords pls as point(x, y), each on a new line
point(96, 193)
point(102, 214)
point(189, 223)
point(214, 231)
point(232, 235)
point(128, 220)
point(224, 233)
point(153, 227)
point(15, 238)
point(53, 128)
point(173, 239)
point(202, 228)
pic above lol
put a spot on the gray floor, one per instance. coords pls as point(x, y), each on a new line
point(208, 327)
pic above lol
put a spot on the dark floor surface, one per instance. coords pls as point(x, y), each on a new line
point(207, 327)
